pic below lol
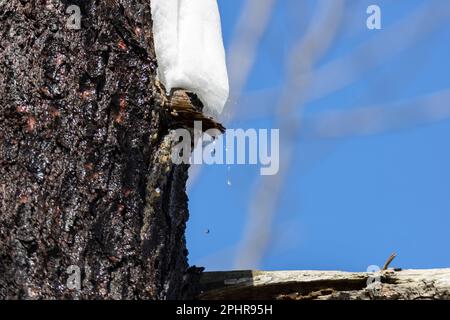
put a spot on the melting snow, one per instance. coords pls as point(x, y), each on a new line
point(189, 49)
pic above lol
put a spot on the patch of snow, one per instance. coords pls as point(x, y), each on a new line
point(189, 49)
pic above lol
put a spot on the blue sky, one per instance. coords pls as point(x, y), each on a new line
point(349, 202)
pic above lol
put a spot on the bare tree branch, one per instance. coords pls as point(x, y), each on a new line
point(311, 47)
point(379, 119)
point(338, 74)
point(242, 53)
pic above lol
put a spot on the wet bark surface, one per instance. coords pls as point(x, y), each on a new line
point(85, 173)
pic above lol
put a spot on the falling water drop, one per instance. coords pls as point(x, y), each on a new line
point(213, 151)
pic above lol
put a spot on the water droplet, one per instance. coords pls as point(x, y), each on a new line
point(207, 231)
point(158, 190)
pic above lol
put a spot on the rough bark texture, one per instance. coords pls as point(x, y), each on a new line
point(327, 285)
point(85, 172)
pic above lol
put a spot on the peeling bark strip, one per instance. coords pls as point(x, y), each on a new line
point(326, 285)
point(85, 177)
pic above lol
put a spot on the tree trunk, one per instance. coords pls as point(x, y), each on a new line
point(86, 181)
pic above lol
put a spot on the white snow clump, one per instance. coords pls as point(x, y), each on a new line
point(189, 49)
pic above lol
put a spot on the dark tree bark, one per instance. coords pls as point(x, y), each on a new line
point(85, 172)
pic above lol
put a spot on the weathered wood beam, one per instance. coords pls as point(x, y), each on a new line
point(326, 285)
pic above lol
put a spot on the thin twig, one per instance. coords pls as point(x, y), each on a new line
point(389, 260)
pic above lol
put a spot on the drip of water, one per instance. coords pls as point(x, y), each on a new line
point(213, 152)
